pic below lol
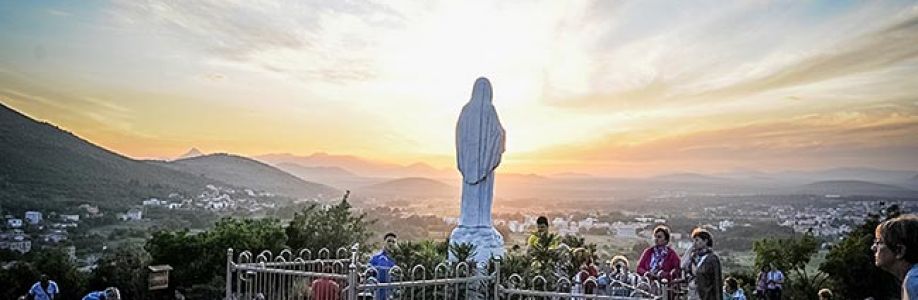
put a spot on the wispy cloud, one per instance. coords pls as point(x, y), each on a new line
point(869, 52)
point(22, 96)
point(59, 13)
point(102, 113)
point(316, 40)
point(719, 59)
point(214, 77)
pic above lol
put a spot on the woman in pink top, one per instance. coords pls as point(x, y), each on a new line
point(660, 260)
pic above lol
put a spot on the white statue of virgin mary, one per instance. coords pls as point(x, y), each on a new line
point(480, 143)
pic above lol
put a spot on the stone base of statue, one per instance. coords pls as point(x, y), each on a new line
point(488, 242)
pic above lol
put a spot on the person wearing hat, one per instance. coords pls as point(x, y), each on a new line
point(619, 277)
point(825, 294)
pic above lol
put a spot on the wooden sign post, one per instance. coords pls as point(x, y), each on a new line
point(159, 277)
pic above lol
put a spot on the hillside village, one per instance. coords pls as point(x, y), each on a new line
point(37, 228)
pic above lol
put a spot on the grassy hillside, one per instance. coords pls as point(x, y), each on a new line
point(44, 167)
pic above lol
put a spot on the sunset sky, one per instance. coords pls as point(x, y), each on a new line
point(600, 87)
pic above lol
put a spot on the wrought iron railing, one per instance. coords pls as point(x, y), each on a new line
point(300, 275)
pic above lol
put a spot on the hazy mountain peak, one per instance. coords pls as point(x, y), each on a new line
point(319, 154)
point(571, 175)
point(520, 176)
point(419, 165)
point(193, 152)
point(411, 186)
point(686, 176)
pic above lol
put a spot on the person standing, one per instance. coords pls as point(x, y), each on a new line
point(895, 249)
point(705, 268)
point(774, 284)
point(541, 230)
point(761, 282)
point(44, 289)
point(382, 262)
point(660, 260)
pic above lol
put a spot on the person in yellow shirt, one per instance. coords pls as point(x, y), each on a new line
point(542, 230)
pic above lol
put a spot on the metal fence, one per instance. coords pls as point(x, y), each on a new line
point(340, 275)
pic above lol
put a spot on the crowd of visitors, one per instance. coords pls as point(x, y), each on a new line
point(699, 269)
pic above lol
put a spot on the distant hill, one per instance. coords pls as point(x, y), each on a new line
point(519, 177)
point(570, 175)
point(314, 172)
point(42, 166)
point(334, 176)
point(358, 165)
point(893, 177)
point(855, 187)
point(411, 186)
point(689, 177)
point(246, 172)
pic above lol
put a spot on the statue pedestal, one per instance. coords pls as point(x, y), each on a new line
point(488, 242)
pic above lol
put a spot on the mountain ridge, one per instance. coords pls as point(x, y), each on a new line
point(855, 188)
point(411, 186)
point(358, 165)
point(246, 172)
point(43, 165)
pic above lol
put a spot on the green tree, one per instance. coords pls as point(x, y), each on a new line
point(547, 260)
point(791, 255)
point(576, 242)
point(464, 252)
point(850, 263)
point(125, 268)
point(426, 253)
point(9, 255)
point(199, 260)
point(334, 227)
point(17, 279)
point(514, 261)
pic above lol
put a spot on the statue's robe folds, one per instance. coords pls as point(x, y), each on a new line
point(480, 142)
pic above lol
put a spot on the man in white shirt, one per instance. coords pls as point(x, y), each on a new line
point(775, 284)
point(44, 289)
